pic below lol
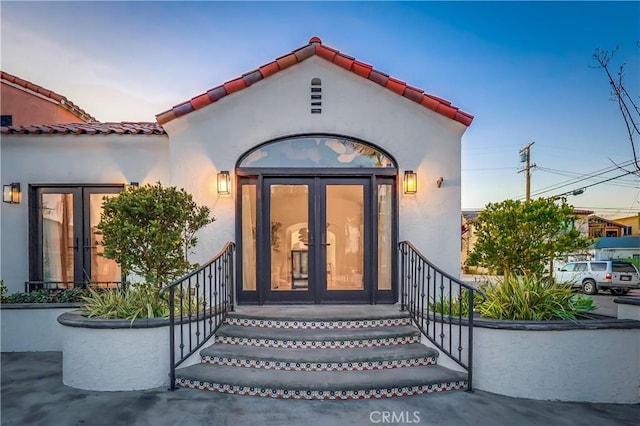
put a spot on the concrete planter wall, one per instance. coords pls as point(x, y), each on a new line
point(115, 355)
point(592, 360)
point(32, 327)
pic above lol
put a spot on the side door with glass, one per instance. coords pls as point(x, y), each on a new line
point(287, 240)
point(64, 248)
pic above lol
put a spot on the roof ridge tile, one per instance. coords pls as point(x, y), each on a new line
point(315, 47)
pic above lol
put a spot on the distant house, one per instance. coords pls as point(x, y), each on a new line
point(623, 248)
point(601, 227)
point(631, 222)
point(25, 103)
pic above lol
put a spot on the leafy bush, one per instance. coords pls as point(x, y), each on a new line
point(526, 298)
point(137, 301)
point(524, 235)
point(150, 230)
point(72, 295)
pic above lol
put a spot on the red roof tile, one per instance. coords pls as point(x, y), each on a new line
point(63, 101)
point(315, 47)
point(124, 128)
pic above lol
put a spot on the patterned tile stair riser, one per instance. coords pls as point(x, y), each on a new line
point(318, 325)
point(313, 344)
point(323, 366)
point(323, 394)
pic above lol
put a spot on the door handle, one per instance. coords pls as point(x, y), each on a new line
point(75, 246)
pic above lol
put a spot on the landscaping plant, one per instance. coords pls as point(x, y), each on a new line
point(150, 230)
point(524, 236)
point(525, 298)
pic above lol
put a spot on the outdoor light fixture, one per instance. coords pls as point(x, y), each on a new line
point(132, 185)
point(224, 183)
point(410, 182)
point(11, 193)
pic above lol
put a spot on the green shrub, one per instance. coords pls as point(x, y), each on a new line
point(137, 301)
point(72, 295)
point(453, 306)
point(150, 231)
point(523, 298)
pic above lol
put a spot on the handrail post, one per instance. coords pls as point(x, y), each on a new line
point(470, 343)
point(231, 272)
point(402, 278)
point(172, 340)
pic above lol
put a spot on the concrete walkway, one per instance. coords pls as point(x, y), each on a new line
point(33, 394)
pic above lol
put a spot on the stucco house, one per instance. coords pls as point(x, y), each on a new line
point(316, 149)
point(25, 103)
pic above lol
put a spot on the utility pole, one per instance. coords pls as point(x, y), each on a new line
point(525, 156)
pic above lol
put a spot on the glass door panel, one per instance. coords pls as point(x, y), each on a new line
point(102, 269)
point(65, 249)
point(344, 237)
point(385, 243)
point(59, 242)
point(288, 235)
point(248, 221)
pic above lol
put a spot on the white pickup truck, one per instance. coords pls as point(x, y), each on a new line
point(614, 275)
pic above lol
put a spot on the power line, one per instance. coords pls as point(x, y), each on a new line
point(581, 189)
point(576, 180)
point(622, 183)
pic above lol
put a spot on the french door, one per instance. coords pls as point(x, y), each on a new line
point(64, 249)
point(315, 239)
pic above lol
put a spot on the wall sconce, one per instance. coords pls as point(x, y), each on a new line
point(410, 182)
point(439, 181)
point(132, 185)
point(224, 183)
point(11, 193)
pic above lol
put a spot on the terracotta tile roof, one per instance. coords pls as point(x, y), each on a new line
point(59, 99)
point(95, 128)
point(315, 47)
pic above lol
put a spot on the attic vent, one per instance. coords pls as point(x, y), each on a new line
point(316, 96)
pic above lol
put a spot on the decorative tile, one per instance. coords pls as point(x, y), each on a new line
point(319, 366)
point(317, 325)
point(322, 394)
point(317, 344)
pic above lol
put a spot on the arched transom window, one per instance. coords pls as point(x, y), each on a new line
point(316, 151)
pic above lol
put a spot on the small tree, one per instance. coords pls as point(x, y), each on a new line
point(150, 230)
point(523, 236)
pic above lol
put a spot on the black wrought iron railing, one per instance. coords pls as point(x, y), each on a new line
point(198, 305)
point(30, 286)
point(440, 305)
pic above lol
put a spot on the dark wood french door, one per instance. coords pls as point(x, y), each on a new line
point(315, 236)
point(64, 249)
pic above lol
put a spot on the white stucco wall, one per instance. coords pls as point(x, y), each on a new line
point(68, 159)
point(115, 359)
point(213, 138)
point(123, 358)
point(31, 330)
point(570, 365)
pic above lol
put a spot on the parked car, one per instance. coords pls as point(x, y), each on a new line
point(614, 275)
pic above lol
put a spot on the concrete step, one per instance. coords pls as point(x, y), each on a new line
point(317, 338)
point(312, 317)
point(321, 384)
point(367, 358)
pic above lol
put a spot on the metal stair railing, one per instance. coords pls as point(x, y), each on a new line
point(427, 293)
point(198, 306)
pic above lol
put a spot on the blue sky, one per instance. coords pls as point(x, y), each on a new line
point(524, 69)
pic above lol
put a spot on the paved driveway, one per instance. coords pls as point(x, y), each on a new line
point(33, 394)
